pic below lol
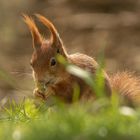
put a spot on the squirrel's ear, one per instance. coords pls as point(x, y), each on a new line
point(55, 39)
point(36, 36)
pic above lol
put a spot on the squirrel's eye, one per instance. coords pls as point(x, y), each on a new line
point(53, 62)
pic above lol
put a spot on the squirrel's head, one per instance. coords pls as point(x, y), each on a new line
point(46, 68)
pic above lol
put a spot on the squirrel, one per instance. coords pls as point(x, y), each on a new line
point(52, 79)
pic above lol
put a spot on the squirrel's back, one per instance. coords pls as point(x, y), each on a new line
point(89, 64)
point(84, 61)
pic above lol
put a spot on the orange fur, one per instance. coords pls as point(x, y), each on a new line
point(127, 85)
point(37, 38)
point(51, 77)
point(51, 27)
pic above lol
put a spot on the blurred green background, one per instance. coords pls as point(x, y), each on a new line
point(86, 26)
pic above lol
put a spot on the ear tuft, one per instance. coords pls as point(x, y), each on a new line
point(54, 34)
point(37, 38)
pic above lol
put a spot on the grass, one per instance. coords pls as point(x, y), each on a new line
point(102, 119)
point(98, 120)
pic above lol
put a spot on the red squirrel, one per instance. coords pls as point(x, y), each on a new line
point(52, 79)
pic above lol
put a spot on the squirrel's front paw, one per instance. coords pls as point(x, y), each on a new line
point(37, 93)
point(43, 95)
